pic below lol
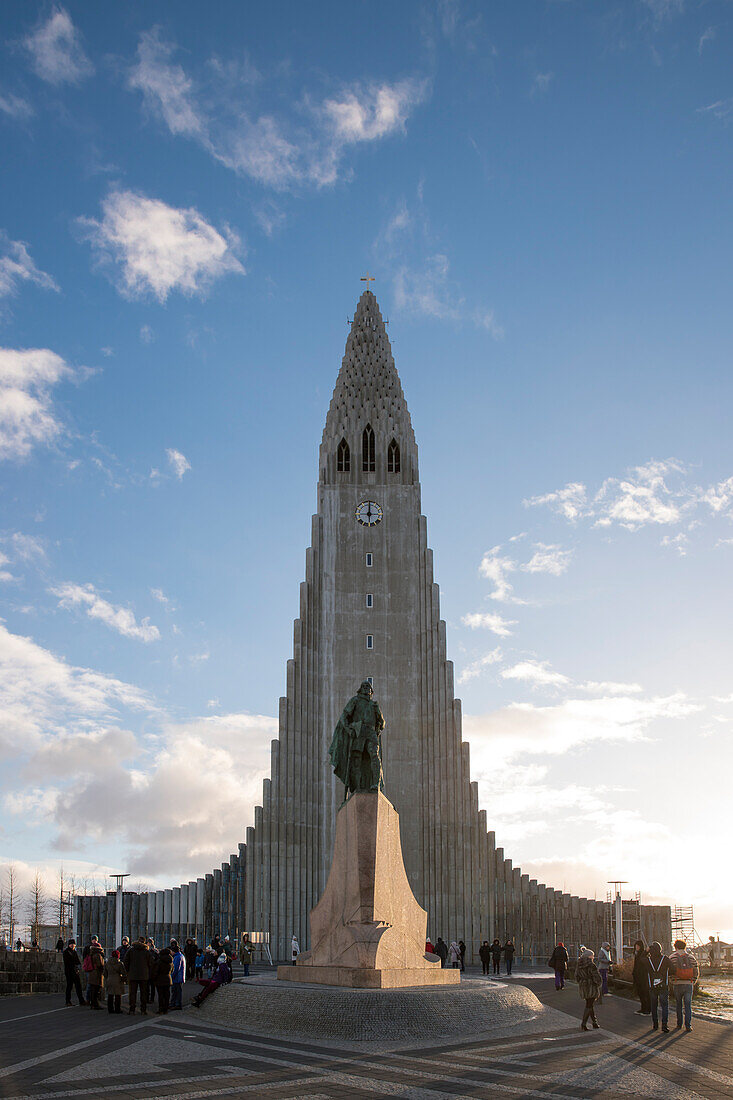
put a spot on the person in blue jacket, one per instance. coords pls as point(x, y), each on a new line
point(178, 976)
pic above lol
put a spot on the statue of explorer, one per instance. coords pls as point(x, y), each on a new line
point(356, 751)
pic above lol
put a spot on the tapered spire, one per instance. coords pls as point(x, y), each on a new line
point(368, 390)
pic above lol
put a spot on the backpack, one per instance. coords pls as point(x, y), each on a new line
point(88, 965)
point(682, 971)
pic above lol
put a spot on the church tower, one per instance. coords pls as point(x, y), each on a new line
point(369, 608)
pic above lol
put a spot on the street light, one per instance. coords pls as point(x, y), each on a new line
point(118, 909)
point(619, 905)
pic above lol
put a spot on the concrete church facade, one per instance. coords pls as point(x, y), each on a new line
point(369, 608)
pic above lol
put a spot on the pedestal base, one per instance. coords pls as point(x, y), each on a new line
point(355, 977)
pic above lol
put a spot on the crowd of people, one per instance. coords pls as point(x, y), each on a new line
point(144, 972)
point(655, 976)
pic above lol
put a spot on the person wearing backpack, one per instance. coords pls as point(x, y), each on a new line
point(683, 973)
point(658, 973)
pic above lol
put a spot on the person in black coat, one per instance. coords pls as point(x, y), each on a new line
point(509, 955)
point(462, 949)
point(441, 950)
point(190, 952)
point(657, 971)
point(559, 963)
point(484, 953)
point(641, 978)
point(72, 966)
point(496, 955)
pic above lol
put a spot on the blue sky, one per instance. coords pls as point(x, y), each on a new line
point(189, 199)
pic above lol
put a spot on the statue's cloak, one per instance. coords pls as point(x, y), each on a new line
point(340, 749)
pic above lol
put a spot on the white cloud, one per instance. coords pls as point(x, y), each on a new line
point(527, 728)
point(374, 111)
point(720, 108)
point(27, 547)
point(16, 266)
point(428, 291)
point(570, 502)
point(548, 559)
point(178, 462)
point(664, 9)
point(275, 150)
point(56, 51)
point(658, 493)
point(27, 418)
point(159, 248)
point(542, 82)
point(490, 621)
point(15, 107)
point(41, 695)
point(707, 36)
point(119, 619)
point(166, 88)
point(470, 672)
point(146, 334)
point(535, 673)
point(128, 790)
point(5, 575)
point(496, 568)
point(159, 595)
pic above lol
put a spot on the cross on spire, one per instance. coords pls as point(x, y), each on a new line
point(367, 279)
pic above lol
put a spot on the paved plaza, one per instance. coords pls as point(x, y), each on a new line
point(47, 1050)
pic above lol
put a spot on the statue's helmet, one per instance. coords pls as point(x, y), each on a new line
point(366, 688)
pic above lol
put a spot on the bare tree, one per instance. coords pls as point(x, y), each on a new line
point(37, 906)
point(12, 900)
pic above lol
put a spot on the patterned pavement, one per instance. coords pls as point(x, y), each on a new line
point(58, 1052)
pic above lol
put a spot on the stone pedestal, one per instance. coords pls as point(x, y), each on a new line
point(368, 931)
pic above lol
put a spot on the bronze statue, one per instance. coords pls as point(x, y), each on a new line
point(356, 751)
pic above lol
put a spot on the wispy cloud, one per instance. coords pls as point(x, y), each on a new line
point(535, 672)
point(528, 728)
point(56, 51)
point(542, 82)
point(177, 462)
point(27, 416)
point(496, 567)
point(156, 248)
point(470, 672)
point(664, 9)
point(657, 494)
point(548, 559)
point(429, 291)
point(279, 151)
point(720, 108)
point(489, 620)
point(119, 619)
point(707, 35)
point(15, 107)
point(17, 266)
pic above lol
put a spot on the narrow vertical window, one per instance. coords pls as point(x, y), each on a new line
point(369, 599)
point(370, 680)
point(370, 641)
point(393, 457)
point(369, 560)
point(343, 457)
point(368, 462)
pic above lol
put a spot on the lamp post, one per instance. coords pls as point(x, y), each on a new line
point(118, 908)
point(619, 916)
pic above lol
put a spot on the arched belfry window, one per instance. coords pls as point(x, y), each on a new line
point(343, 457)
point(393, 457)
point(368, 461)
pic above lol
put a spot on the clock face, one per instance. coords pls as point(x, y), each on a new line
point(368, 513)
